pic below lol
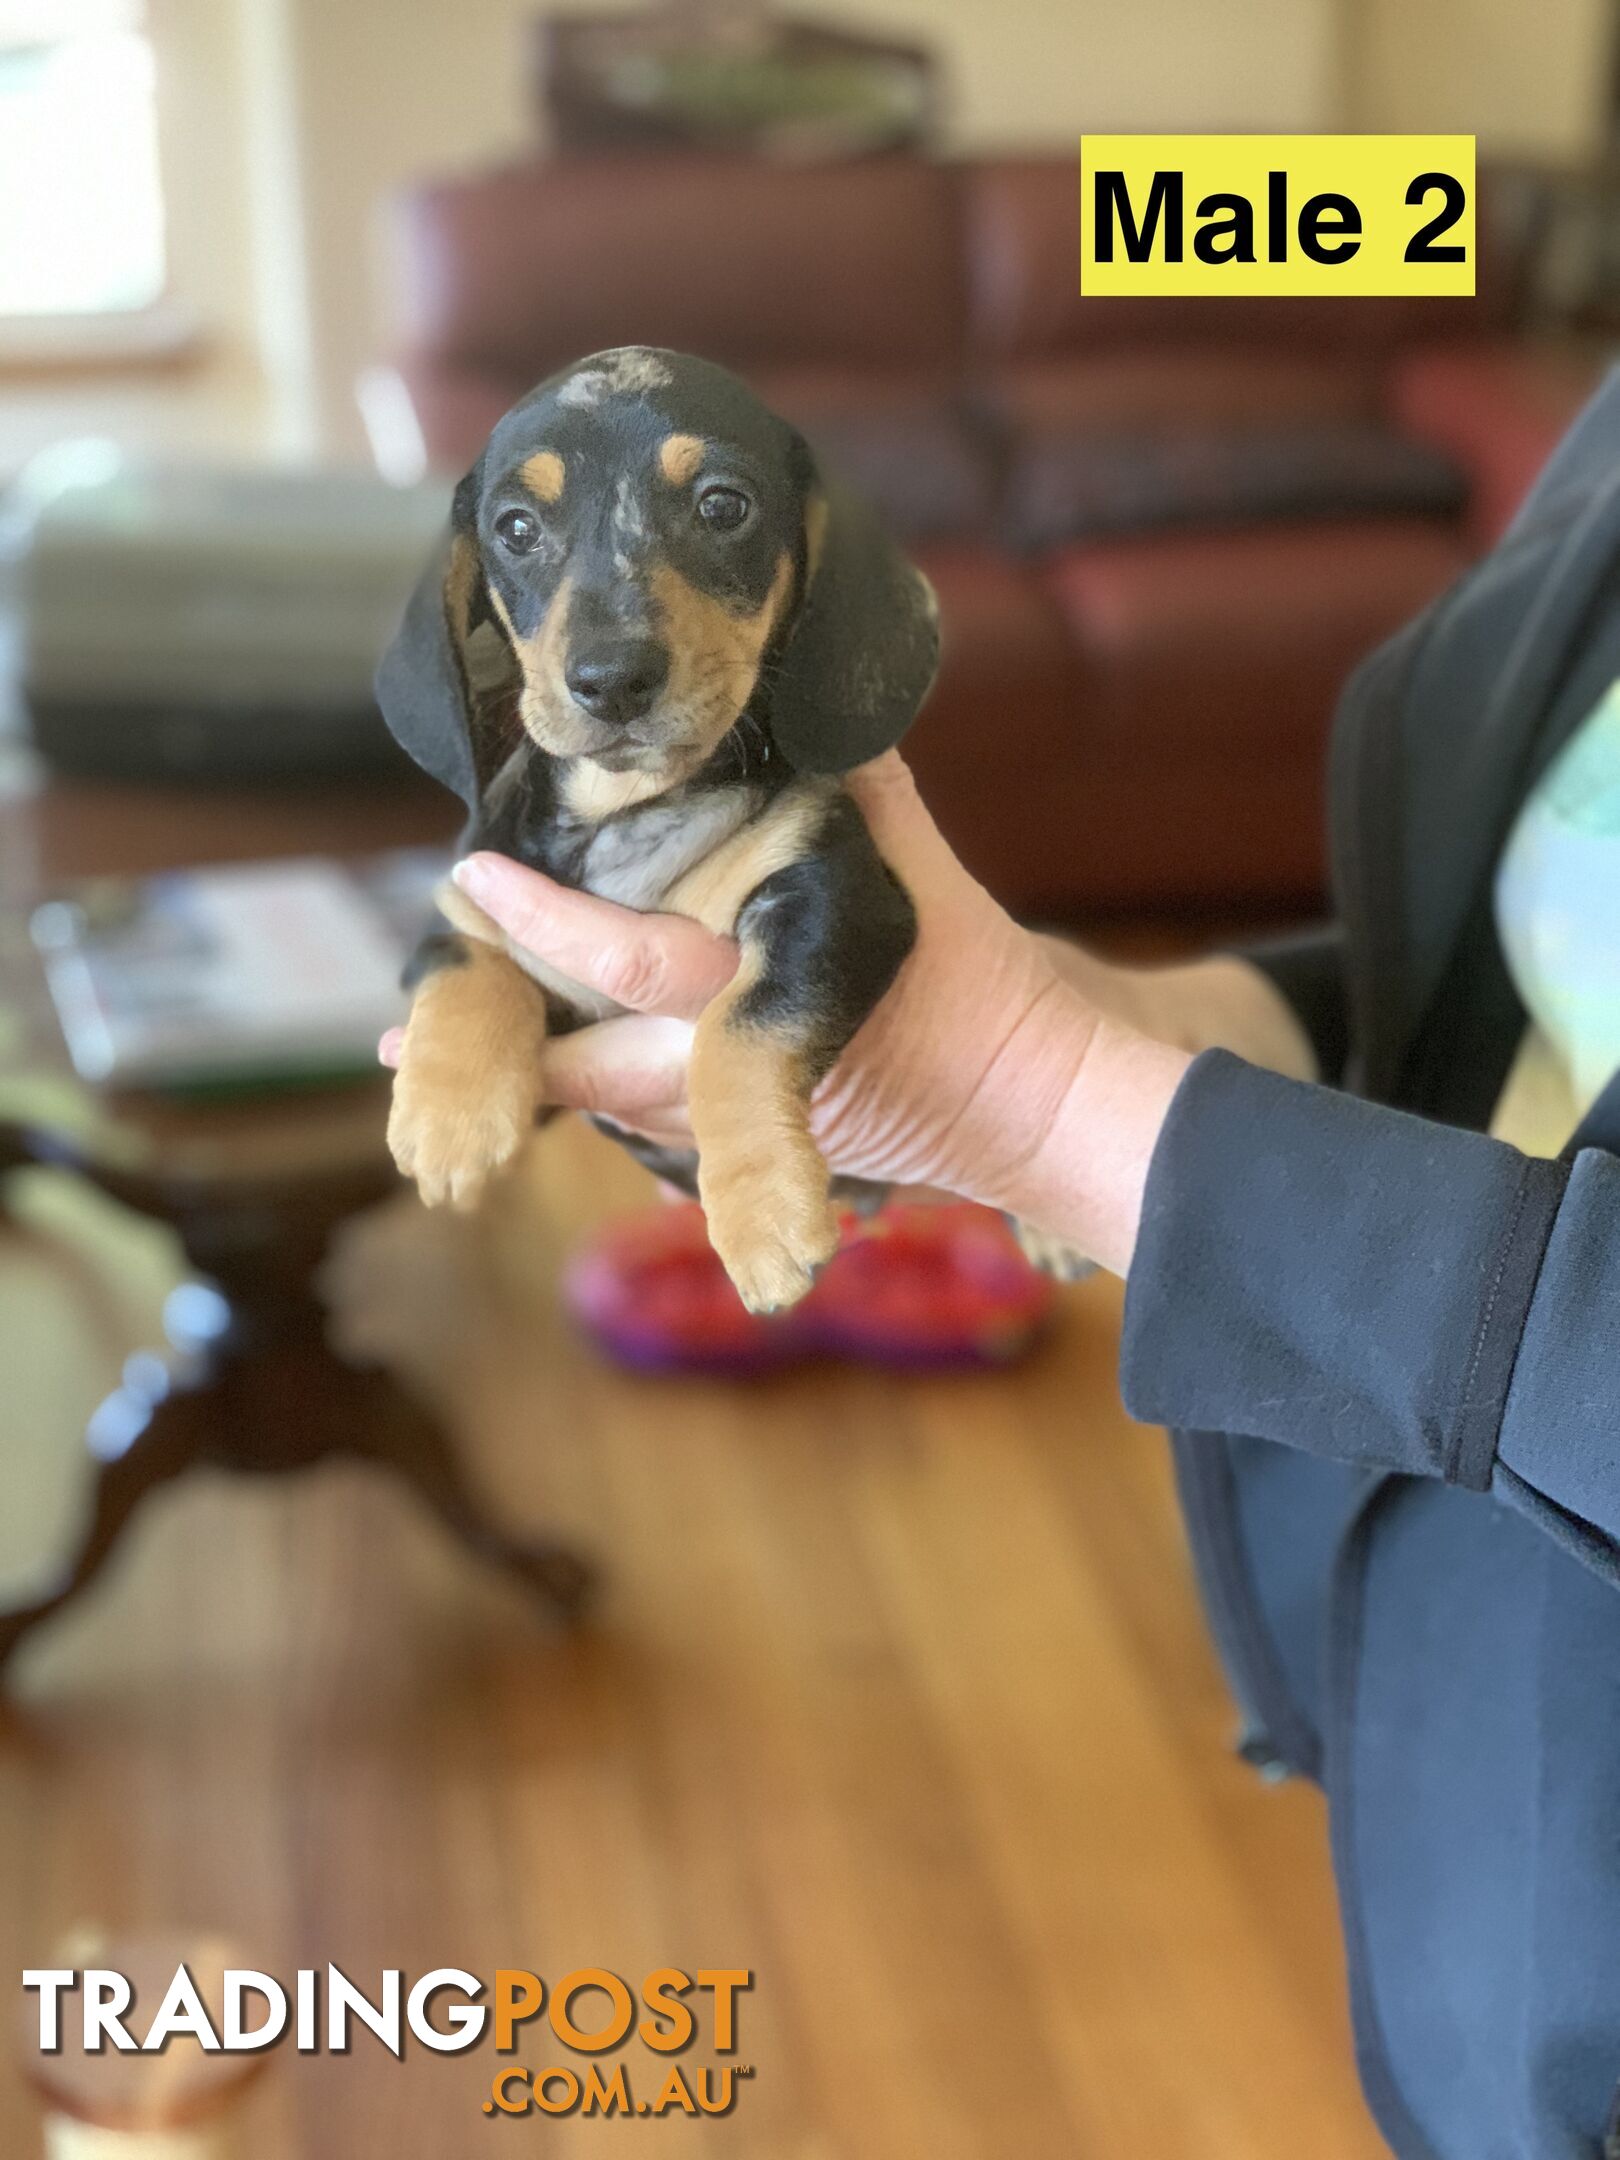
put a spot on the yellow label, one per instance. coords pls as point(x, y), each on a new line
point(1261, 215)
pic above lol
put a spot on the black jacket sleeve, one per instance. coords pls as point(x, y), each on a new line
point(1347, 1279)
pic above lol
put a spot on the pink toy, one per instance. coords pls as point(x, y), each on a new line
point(925, 1289)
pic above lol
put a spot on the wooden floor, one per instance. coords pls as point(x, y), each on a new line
point(900, 1699)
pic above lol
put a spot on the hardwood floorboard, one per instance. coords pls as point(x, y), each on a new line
point(899, 1698)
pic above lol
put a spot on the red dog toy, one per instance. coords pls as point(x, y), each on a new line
point(926, 1289)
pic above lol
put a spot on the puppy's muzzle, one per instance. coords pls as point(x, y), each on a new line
point(618, 682)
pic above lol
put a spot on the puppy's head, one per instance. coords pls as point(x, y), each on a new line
point(642, 554)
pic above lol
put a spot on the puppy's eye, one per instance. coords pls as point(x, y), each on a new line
point(723, 509)
point(518, 532)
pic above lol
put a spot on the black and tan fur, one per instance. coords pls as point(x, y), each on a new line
point(655, 705)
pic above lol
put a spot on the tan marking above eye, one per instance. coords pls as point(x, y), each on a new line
point(679, 457)
point(543, 475)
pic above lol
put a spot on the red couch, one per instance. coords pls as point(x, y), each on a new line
point(1162, 531)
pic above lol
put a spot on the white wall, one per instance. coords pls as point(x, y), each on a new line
point(389, 90)
point(1040, 71)
point(1529, 77)
point(289, 120)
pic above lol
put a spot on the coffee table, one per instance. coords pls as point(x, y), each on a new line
point(256, 1190)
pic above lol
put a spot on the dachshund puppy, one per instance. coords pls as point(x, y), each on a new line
point(654, 640)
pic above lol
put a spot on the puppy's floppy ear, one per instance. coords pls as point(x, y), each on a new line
point(425, 682)
point(861, 656)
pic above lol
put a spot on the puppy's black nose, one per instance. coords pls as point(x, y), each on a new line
point(619, 682)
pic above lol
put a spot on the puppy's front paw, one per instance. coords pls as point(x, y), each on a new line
point(772, 1224)
point(453, 1135)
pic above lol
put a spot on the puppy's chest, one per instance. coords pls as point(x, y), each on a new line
point(639, 858)
point(701, 857)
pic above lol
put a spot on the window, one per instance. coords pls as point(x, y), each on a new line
point(81, 198)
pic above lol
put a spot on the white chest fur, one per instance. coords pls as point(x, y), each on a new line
point(639, 858)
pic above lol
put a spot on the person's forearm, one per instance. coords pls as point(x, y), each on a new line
point(1221, 1003)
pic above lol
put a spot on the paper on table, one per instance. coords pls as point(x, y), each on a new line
point(254, 970)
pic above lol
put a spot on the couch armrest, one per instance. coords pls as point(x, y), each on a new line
point(1499, 408)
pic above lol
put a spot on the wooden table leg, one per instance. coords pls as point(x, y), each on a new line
point(137, 1440)
point(404, 1439)
point(258, 1387)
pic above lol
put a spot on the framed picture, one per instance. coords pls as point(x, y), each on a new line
point(709, 75)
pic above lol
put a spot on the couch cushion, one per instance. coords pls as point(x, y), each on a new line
point(1083, 485)
point(996, 747)
point(908, 442)
point(1200, 642)
point(1501, 408)
point(856, 264)
point(1211, 664)
point(1147, 386)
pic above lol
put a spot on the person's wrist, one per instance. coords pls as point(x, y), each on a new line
point(1112, 990)
point(1084, 1178)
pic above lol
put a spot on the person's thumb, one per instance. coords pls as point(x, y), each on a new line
point(646, 963)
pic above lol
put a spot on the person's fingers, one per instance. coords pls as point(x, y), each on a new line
point(647, 963)
point(898, 819)
point(623, 1069)
point(885, 790)
point(664, 1128)
point(389, 1048)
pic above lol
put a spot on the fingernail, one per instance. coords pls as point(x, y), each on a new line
point(474, 875)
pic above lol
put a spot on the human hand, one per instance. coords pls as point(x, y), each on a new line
point(975, 1073)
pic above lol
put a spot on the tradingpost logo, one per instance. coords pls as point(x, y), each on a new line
point(595, 2043)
